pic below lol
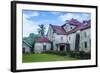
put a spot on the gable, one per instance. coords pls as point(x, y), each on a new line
point(43, 39)
point(68, 27)
point(27, 44)
point(58, 29)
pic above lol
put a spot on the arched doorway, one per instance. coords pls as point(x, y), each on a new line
point(62, 47)
point(77, 42)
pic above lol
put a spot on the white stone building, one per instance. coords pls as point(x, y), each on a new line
point(72, 36)
point(26, 47)
point(42, 45)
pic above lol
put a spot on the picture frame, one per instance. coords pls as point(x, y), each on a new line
point(17, 26)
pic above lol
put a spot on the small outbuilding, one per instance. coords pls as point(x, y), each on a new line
point(26, 47)
point(42, 44)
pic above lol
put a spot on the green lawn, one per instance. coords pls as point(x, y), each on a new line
point(44, 58)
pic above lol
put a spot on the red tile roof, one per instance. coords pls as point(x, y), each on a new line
point(87, 21)
point(43, 39)
point(74, 22)
point(79, 26)
point(74, 30)
point(58, 29)
point(85, 27)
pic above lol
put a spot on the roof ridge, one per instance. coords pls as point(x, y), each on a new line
point(43, 39)
point(27, 43)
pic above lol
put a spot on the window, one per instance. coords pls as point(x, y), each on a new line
point(65, 27)
point(61, 38)
point(85, 34)
point(44, 47)
point(85, 43)
point(70, 27)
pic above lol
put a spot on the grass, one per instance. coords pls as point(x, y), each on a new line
point(45, 58)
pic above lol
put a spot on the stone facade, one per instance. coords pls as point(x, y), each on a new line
point(42, 47)
point(77, 37)
point(72, 36)
point(85, 43)
point(26, 48)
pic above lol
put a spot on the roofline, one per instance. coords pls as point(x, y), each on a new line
point(56, 32)
point(27, 43)
point(80, 30)
point(48, 29)
point(72, 29)
point(43, 42)
point(85, 28)
point(52, 28)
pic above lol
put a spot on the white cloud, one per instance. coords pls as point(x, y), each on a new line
point(77, 16)
point(35, 14)
point(55, 13)
point(32, 26)
point(32, 14)
point(29, 26)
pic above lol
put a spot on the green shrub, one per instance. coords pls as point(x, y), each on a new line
point(79, 54)
point(73, 54)
point(84, 55)
point(62, 53)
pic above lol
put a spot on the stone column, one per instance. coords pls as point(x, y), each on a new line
point(58, 48)
point(65, 48)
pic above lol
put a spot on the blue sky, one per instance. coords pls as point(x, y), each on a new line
point(31, 19)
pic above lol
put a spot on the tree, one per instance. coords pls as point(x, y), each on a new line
point(33, 44)
point(31, 40)
point(41, 30)
point(32, 37)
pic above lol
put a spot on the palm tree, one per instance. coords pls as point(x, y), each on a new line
point(41, 30)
